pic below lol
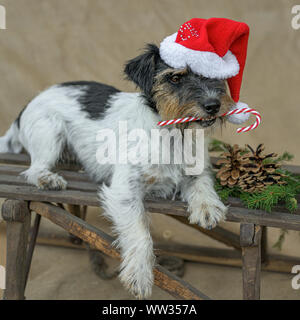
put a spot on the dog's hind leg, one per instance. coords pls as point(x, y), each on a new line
point(44, 140)
point(123, 205)
point(10, 141)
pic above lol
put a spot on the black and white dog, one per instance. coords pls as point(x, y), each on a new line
point(66, 118)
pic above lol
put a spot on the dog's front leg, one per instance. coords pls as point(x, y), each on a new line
point(123, 205)
point(204, 205)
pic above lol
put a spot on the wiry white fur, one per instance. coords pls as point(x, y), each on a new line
point(54, 120)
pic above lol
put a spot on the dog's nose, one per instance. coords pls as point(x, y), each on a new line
point(212, 106)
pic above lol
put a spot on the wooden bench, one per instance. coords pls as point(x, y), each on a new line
point(250, 247)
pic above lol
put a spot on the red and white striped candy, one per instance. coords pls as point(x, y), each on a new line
point(229, 113)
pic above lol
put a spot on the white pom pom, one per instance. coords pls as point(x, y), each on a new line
point(239, 118)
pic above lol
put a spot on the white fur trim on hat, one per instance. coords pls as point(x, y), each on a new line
point(239, 118)
point(205, 63)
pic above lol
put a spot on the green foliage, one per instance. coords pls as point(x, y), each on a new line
point(268, 198)
point(284, 157)
point(217, 146)
point(265, 200)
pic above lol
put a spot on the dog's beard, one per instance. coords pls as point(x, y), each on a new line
point(208, 125)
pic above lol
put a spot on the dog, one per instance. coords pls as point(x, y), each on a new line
point(65, 118)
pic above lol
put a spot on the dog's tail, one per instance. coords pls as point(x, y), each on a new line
point(10, 141)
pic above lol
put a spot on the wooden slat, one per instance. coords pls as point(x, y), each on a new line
point(274, 219)
point(76, 226)
point(101, 241)
point(72, 185)
point(24, 159)
point(222, 257)
point(33, 194)
point(69, 175)
point(13, 158)
point(218, 233)
point(177, 208)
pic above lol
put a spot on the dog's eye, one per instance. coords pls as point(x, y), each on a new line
point(175, 79)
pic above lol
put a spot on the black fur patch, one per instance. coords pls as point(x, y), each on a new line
point(142, 70)
point(19, 117)
point(94, 98)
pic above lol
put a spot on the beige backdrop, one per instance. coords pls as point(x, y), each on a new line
point(49, 41)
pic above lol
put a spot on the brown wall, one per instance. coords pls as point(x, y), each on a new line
point(49, 41)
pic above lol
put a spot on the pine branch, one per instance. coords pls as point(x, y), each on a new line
point(216, 146)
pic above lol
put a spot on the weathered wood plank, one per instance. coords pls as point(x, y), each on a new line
point(250, 235)
point(17, 217)
point(13, 158)
point(24, 159)
point(176, 208)
point(76, 226)
point(225, 257)
point(218, 233)
point(34, 194)
point(222, 257)
point(274, 219)
point(67, 174)
point(72, 185)
point(76, 182)
point(175, 286)
point(103, 242)
point(235, 214)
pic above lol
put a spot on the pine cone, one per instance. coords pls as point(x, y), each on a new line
point(257, 173)
point(231, 165)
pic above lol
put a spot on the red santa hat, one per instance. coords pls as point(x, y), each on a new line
point(214, 48)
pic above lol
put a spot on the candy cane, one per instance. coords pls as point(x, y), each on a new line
point(229, 113)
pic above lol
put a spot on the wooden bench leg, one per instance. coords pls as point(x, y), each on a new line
point(17, 217)
point(250, 238)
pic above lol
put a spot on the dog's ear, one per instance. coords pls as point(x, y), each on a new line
point(141, 70)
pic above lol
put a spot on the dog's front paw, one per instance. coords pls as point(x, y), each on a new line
point(51, 181)
point(207, 214)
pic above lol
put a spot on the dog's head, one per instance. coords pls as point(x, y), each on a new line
point(178, 93)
